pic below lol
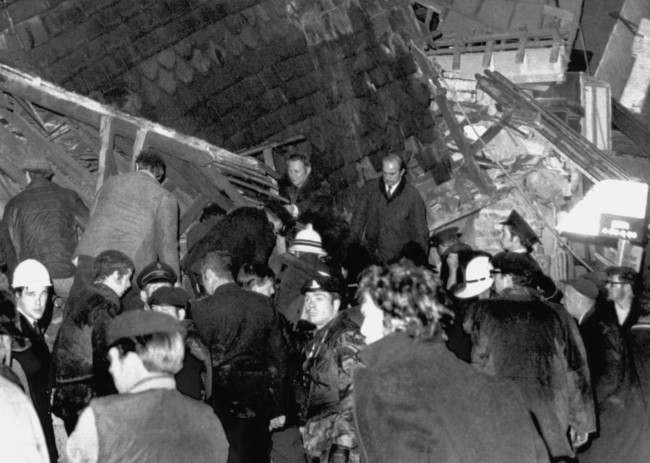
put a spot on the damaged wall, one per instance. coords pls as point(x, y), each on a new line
point(238, 72)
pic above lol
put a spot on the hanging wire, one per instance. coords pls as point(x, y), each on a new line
point(516, 184)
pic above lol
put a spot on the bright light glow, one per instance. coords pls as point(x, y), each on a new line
point(617, 197)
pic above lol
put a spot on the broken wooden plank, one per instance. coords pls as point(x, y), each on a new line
point(473, 170)
point(84, 109)
point(490, 133)
point(106, 161)
point(138, 145)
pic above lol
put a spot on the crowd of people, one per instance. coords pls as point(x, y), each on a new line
point(298, 332)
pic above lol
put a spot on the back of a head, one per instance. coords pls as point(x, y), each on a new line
point(157, 338)
point(110, 261)
point(405, 292)
point(151, 161)
point(219, 262)
point(517, 265)
point(251, 274)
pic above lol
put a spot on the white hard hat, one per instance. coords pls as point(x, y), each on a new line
point(30, 273)
point(477, 278)
point(308, 241)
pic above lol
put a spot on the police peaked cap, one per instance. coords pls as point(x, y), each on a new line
point(156, 271)
point(322, 282)
point(521, 228)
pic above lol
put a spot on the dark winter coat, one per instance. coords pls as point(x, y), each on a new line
point(528, 341)
point(416, 402)
point(389, 223)
point(245, 233)
point(35, 361)
point(312, 197)
point(621, 360)
point(42, 221)
point(80, 352)
point(247, 348)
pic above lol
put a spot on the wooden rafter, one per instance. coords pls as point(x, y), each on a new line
point(202, 155)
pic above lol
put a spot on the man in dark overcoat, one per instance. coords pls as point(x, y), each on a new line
point(248, 353)
point(391, 213)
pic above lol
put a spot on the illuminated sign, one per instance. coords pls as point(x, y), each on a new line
point(619, 227)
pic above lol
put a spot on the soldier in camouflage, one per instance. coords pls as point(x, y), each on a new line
point(331, 357)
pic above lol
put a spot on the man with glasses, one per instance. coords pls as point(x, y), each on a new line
point(619, 287)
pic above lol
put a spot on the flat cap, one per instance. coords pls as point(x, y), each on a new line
point(521, 228)
point(444, 235)
point(584, 286)
point(176, 297)
point(156, 271)
point(140, 323)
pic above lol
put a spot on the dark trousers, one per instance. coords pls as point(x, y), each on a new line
point(249, 438)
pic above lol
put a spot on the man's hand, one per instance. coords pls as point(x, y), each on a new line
point(578, 439)
point(277, 422)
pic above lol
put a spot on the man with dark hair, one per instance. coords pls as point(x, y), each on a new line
point(80, 364)
point(302, 189)
point(244, 335)
point(520, 337)
point(149, 421)
point(391, 213)
point(133, 214)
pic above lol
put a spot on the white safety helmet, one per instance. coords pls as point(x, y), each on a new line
point(30, 273)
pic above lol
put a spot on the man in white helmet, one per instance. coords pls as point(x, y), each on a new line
point(31, 286)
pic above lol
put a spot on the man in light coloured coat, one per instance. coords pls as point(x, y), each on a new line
point(133, 214)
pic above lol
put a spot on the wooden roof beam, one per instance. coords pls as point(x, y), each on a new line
point(84, 109)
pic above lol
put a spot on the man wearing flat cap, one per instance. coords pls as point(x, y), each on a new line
point(173, 302)
point(518, 336)
point(331, 358)
point(149, 421)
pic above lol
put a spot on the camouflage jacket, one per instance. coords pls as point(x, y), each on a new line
point(331, 359)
